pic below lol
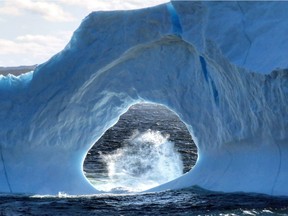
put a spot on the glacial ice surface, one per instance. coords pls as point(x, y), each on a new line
point(221, 66)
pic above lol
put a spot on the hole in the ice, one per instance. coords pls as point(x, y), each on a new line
point(147, 147)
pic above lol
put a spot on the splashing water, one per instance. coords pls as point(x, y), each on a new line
point(147, 160)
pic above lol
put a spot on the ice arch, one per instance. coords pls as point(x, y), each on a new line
point(128, 156)
point(50, 118)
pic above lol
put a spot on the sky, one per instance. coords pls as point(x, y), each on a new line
point(32, 31)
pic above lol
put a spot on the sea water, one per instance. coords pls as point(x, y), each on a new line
point(145, 129)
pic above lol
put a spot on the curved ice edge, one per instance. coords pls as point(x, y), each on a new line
point(145, 47)
point(237, 118)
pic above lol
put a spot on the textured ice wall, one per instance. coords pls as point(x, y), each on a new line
point(184, 55)
point(250, 34)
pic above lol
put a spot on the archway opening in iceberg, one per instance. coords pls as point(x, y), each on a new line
point(147, 147)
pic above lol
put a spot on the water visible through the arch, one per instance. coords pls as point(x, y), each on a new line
point(147, 147)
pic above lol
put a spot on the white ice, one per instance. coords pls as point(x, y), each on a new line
point(209, 62)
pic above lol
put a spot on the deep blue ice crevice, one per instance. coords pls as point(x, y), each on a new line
point(204, 67)
point(215, 93)
point(209, 80)
point(177, 28)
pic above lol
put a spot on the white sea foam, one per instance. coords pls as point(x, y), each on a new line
point(147, 160)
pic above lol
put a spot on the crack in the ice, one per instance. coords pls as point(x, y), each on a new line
point(204, 67)
point(278, 169)
point(177, 27)
point(229, 162)
point(209, 80)
point(5, 170)
point(245, 33)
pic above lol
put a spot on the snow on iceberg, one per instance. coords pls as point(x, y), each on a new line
point(210, 62)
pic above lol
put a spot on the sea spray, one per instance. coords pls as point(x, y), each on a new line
point(146, 160)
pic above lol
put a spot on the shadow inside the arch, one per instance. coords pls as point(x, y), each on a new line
point(147, 147)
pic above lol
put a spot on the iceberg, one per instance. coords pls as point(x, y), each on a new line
point(220, 66)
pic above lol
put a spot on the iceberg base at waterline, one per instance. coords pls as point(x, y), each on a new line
point(51, 117)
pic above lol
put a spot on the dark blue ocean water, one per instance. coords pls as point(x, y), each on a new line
point(191, 201)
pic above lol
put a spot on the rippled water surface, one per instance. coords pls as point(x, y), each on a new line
point(191, 201)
